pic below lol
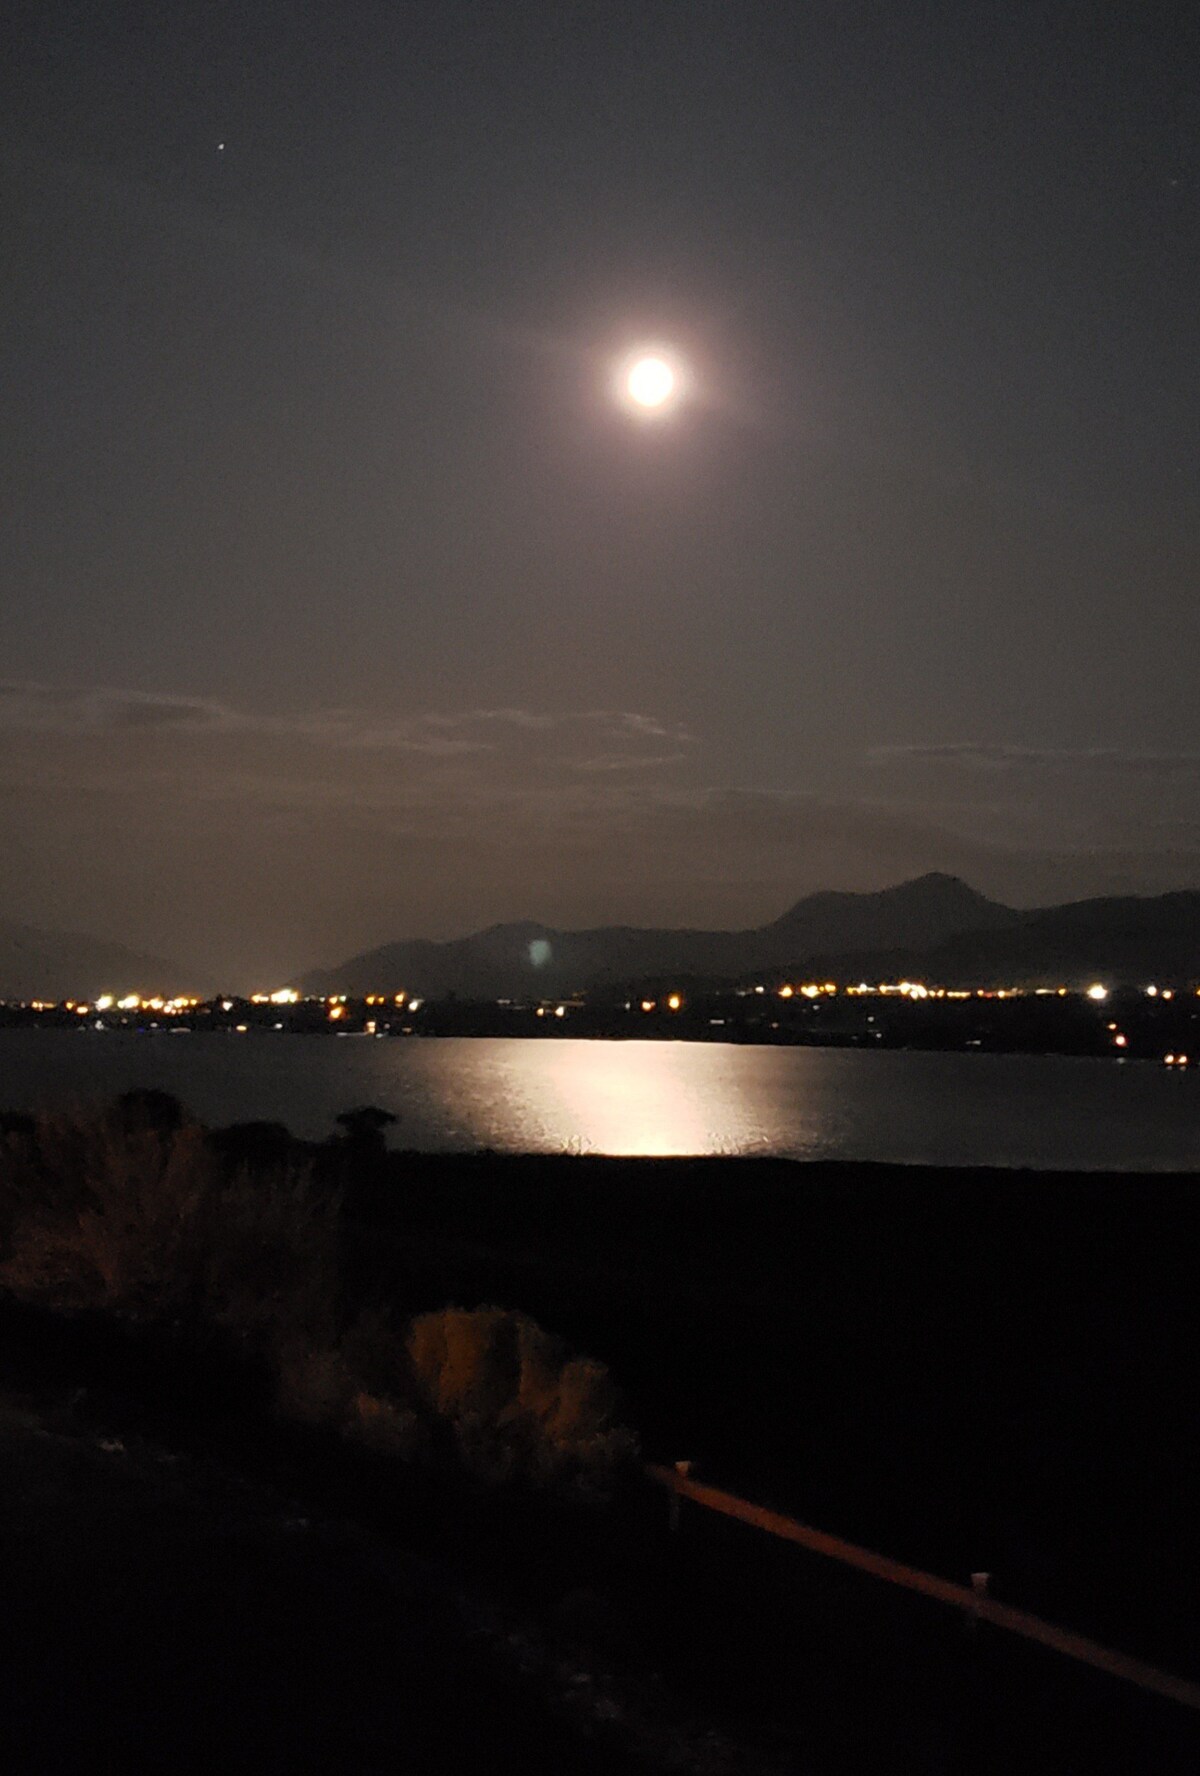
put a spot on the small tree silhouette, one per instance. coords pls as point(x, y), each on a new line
point(147, 1111)
point(364, 1130)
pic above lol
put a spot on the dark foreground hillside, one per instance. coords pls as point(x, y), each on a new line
point(971, 1372)
point(206, 1597)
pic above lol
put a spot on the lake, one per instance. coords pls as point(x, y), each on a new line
point(658, 1098)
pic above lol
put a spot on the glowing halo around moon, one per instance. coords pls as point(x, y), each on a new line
point(650, 383)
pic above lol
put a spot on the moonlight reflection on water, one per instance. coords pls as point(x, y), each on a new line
point(637, 1098)
point(564, 1095)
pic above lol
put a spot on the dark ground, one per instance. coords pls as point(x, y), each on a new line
point(968, 1371)
point(164, 1610)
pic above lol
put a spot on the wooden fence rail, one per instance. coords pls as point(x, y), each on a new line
point(972, 1600)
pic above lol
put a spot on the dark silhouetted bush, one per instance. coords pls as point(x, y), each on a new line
point(126, 1213)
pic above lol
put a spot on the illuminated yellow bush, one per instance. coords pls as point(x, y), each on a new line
point(516, 1402)
point(466, 1362)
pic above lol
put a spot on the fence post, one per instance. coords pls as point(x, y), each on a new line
point(684, 1469)
point(979, 1591)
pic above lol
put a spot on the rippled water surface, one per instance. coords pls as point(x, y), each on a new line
point(644, 1097)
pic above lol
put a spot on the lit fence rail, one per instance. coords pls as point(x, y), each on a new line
point(972, 1600)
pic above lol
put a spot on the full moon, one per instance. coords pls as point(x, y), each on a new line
point(651, 382)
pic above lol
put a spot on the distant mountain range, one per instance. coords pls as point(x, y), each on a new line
point(36, 964)
point(935, 928)
point(507, 961)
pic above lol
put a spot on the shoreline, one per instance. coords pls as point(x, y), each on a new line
point(908, 1042)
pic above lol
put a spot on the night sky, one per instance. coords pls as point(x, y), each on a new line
point(343, 603)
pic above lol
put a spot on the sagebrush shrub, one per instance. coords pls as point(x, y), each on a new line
point(143, 1222)
point(516, 1402)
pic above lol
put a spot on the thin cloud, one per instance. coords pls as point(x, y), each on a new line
point(644, 761)
point(616, 724)
point(42, 708)
point(985, 756)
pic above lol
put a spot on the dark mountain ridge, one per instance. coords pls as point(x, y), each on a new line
point(527, 959)
point(1117, 940)
point(934, 928)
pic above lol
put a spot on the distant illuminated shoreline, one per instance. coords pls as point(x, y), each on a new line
point(1159, 1022)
